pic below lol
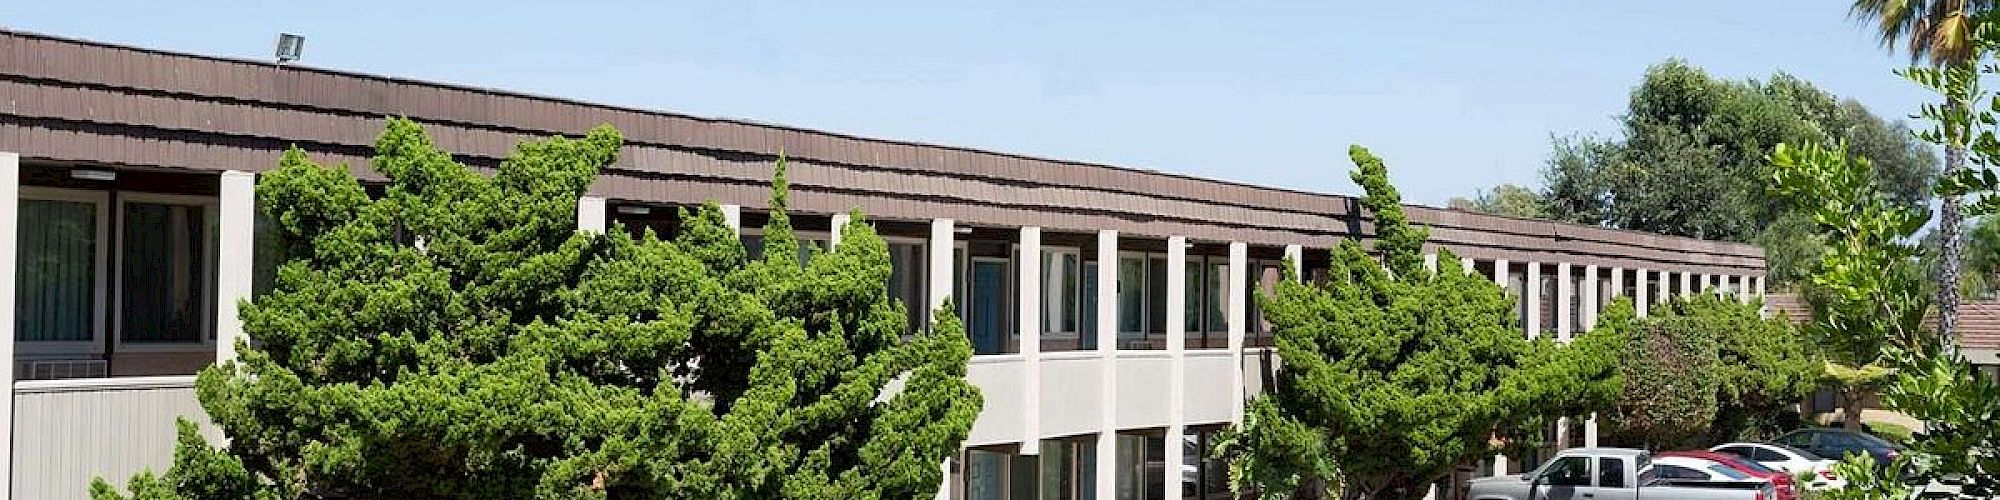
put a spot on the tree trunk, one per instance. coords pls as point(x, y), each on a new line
point(1850, 413)
point(1949, 261)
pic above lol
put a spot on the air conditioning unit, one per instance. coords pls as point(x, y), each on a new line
point(52, 369)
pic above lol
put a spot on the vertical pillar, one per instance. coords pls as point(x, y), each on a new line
point(1564, 290)
point(1617, 282)
point(1590, 431)
point(1665, 291)
point(1176, 348)
point(1640, 299)
point(733, 216)
point(235, 241)
point(839, 223)
point(1030, 325)
point(1700, 282)
point(589, 213)
point(1532, 296)
point(1107, 347)
point(1687, 284)
point(1500, 273)
point(941, 273)
point(10, 209)
point(1297, 254)
point(941, 277)
point(1431, 262)
point(1591, 296)
point(1743, 289)
point(1239, 286)
point(1468, 264)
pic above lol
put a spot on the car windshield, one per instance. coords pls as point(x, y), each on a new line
point(1872, 441)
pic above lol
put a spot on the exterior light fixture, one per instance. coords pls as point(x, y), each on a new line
point(289, 47)
point(94, 175)
point(962, 230)
point(634, 209)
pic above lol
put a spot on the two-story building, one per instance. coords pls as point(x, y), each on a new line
point(1108, 305)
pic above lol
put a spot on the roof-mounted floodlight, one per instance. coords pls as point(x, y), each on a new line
point(289, 47)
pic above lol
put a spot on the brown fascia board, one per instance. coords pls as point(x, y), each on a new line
point(89, 63)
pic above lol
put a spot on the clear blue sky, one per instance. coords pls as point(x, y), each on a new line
point(1455, 94)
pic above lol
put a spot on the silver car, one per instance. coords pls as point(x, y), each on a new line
point(1608, 474)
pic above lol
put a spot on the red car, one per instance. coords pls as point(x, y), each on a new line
point(1779, 480)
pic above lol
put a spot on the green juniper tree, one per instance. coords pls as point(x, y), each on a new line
point(1393, 374)
point(457, 337)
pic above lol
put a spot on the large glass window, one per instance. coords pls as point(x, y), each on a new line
point(985, 475)
point(1089, 325)
point(164, 283)
point(1069, 469)
point(1131, 300)
point(1202, 477)
point(1156, 298)
point(1191, 286)
point(1141, 466)
point(56, 285)
point(906, 281)
point(1061, 304)
point(1217, 297)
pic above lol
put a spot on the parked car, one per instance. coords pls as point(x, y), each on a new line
point(1609, 474)
point(1837, 444)
point(1788, 459)
point(1786, 486)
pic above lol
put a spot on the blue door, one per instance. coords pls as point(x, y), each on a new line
point(989, 281)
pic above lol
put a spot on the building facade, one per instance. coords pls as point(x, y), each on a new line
point(1108, 307)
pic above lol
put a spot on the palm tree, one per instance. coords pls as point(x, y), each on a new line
point(1938, 32)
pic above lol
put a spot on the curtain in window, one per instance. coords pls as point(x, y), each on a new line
point(56, 288)
point(163, 258)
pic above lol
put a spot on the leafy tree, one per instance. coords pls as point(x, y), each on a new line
point(1512, 200)
point(1690, 161)
point(1864, 306)
point(458, 338)
point(1394, 374)
point(1669, 383)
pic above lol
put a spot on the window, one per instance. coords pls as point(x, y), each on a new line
point(1191, 285)
point(906, 281)
point(1568, 471)
point(1141, 466)
point(1068, 468)
point(163, 267)
point(810, 244)
point(1768, 455)
point(1801, 439)
point(1217, 293)
point(58, 281)
point(1061, 304)
point(1131, 298)
point(1156, 295)
point(1610, 472)
point(1677, 472)
point(1089, 325)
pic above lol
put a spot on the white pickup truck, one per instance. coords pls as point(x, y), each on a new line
point(1608, 474)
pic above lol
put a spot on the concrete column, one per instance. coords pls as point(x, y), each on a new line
point(235, 241)
point(1701, 282)
point(10, 210)
point(1743, 289)
point(1562, 433)
point(1431, 262)
point(1030, 325)
point(1176, 348)
point(1617, 282)
point(1297, 254)
point(732, 215)
point(840, 221)
point(1665, 292)
point(1532, 299)
point(1500, 273)
point(1107, 347)
point(941, 274)
point(1687, 284)
point(1500, 277)
point(1564, 290)
point(589, 214)
point(1640, 298)
point(1760, 286)
point(1590, 431)
point(941, 277)
point(1239, 285)
point(1468, 264)
point(1588, 316)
